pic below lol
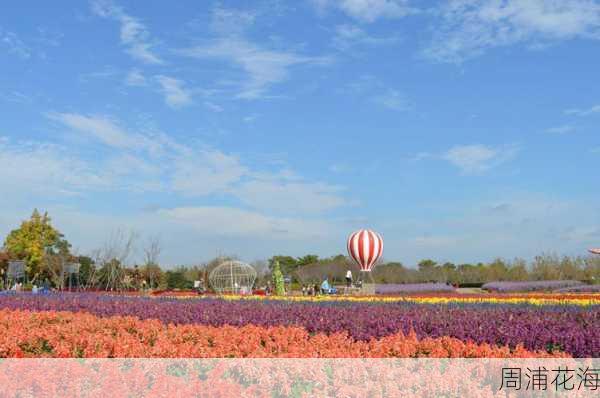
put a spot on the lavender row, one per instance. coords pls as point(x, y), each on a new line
point(570, 328)
point(397, 288)
point(529, 286)
point(580, 289)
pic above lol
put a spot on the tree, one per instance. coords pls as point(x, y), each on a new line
point(287, 264)
point(308, 259)
point(151, 271)
point(278, 279)
point(34, 241)
point(176, 279)
point(86, 270)
point(112, 258)
point(427, 269)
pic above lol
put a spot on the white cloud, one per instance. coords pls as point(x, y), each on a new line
point(176, 95)
point(14, 44)
point(250, 118)
point(206, 172)
point(283, 196)
point(135, 78)
point(392, 99)
point(235, 222)
point(340, 168)
point(228, 21)
point(264, 67)
point(583, 112)
point(565, 129)
point(44, 169)
point(349, 36)
point(213, 107)
point(470, 27)
point(16, 97)
point(375, 91)
point(477, 159)
point(368, 10)
point(134, 34)
point(102, 128)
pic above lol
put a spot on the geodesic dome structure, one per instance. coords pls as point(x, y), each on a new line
point(16, 270)
point(232, 277)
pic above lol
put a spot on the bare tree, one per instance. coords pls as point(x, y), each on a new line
point(152, 250)
point(114, 254)
point(151, 255)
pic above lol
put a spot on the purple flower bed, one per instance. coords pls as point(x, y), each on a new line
point(528, 286)
point(570, 328)
point(580, 289)
point(393, 288)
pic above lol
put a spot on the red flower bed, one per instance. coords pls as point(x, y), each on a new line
point(66, 334)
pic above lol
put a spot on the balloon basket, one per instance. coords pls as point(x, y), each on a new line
point(368, 284)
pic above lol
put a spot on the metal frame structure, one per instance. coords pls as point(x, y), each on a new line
point(16, 271)
point(234, 277)
point(72, 272)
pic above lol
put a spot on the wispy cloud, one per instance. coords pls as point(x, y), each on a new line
point(135, 77)
point(283, 196)
point(235, 222)
point(176, 95)
point(565, 129)
point(197, 172)
point(134, 34)
point(368, 10)
point(392, 99)
point(213, 107)
point(471, 27)
point(14, 44)
point(376, 92)
point(477, 159)
point(33, 167)
point(348, 37)
point(105, 130)
point(583, 112)
point(250, 118)
point(16, 97)
point(264, 67)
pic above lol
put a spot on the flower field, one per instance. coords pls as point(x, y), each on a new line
point(530, 286)
point(95, 325)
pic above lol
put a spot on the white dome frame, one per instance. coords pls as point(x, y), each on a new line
point(232, 277)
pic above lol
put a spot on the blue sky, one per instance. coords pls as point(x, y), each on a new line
point(460, 130)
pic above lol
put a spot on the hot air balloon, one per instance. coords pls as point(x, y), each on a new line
point(365, 247)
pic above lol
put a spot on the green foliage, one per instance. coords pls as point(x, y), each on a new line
point(33, 241)
point(287, 264)
point(308, 259)
point(278, 279)
point(176, 279)
point(86, 269)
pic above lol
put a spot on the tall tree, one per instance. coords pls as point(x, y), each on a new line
point(287, 264)
point(34, 241)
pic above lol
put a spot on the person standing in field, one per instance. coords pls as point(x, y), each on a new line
point(349, 278)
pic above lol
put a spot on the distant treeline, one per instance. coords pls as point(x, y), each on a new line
point(112, 275)
point(46, 254)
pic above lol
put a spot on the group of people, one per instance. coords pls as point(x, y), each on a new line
point(18, 287)
point(325, 287)
point(310, 290)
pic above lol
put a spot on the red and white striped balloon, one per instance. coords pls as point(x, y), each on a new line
point(365, 247)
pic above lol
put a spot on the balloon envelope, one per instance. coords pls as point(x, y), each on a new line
point(365, 247)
